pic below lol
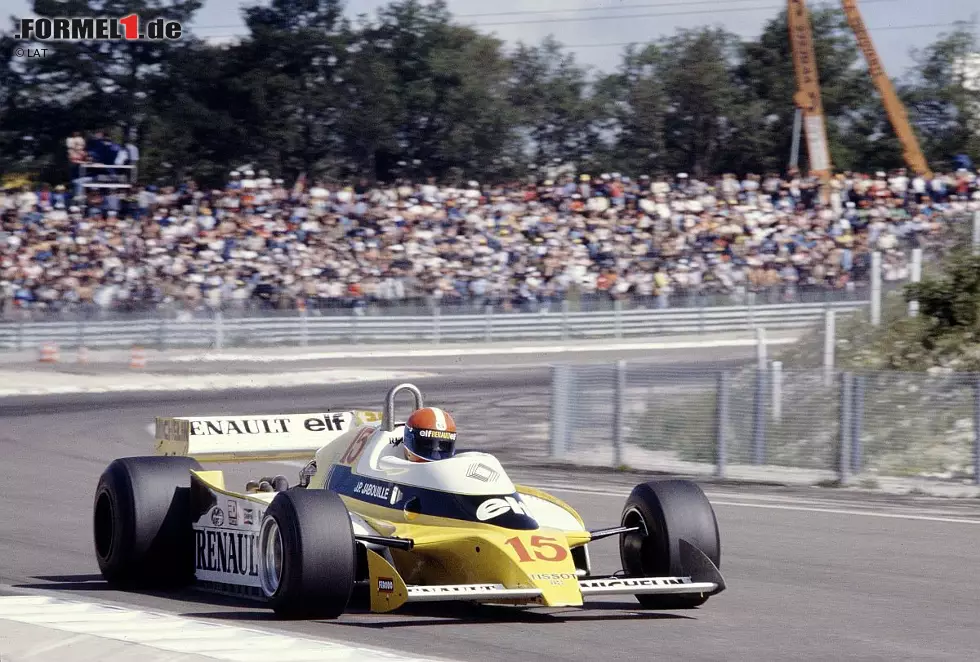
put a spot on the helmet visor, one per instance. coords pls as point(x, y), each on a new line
point(431, 447)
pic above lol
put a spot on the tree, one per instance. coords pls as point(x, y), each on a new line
point(636, 103)
point(856, 124)
point(443, 107)
point(942, 105)
point(701, 96)
point(87, 86)
point(203, 120)
point(292, 68)
point(550, 93)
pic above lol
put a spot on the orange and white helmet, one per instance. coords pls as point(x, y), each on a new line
point(430, 434)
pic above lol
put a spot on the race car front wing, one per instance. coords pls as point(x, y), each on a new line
point(590, 587)
point(704, 579)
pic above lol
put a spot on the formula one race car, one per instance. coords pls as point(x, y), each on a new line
point(362, 515)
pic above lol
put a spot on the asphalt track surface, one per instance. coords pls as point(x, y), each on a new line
point(812, 574)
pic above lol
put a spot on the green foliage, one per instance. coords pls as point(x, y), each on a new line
point(411, 92)
point(944, 334)
point(912, 424)
point(939, 104)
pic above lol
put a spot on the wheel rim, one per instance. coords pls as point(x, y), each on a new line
point(104, 533)
point(270, 557)
point(635, 546)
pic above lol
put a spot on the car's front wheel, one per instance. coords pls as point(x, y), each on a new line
point(307, 554)
point(667, 512)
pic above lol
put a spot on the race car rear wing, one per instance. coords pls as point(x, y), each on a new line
point(254, 438)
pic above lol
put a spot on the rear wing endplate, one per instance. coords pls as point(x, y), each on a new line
point(267, 437)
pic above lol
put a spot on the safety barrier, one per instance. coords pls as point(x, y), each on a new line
point(763, 423)
point(304, 328)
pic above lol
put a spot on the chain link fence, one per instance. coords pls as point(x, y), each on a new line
point(769, 423)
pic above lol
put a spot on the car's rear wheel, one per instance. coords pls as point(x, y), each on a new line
point(307, 554)
point(667, 512)
point(142, 522)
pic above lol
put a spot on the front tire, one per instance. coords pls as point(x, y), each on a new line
point(307, 554)
point(667, 511)
point(142, 522)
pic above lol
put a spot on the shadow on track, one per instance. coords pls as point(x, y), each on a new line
point(96, 584)
point(417, 615)
point(68, 583)
point(462, 613)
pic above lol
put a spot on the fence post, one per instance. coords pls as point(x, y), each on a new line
point(435, 324)
point(488, 323)
point(876, 288)
point(916, 276)
point(829, 343)
point(304, 327)
point(751, 302)
point(976, 232)
point(761, 350)
point(759, 424)
point(564, 319)
point(857, 423)
point(219, 330)
point(618, 312)
point(619, 412)
point(560, 398)
point(976, 430)
point(162, 334)
point(777, 391)
point(846, 400)
point(721, 423)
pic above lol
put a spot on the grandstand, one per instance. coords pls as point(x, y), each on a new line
point(657, 242)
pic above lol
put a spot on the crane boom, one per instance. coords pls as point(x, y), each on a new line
point(807, 97)
point(893, 106)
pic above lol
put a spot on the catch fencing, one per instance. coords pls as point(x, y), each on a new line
point(757, 423)
point(303, 328)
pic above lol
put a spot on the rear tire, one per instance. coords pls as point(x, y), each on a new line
point(669, 510)
point(307, 554)
point(142, 522)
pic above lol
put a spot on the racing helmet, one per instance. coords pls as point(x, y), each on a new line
point(430, 434)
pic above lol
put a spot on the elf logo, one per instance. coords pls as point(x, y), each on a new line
point(386, 585)
point(497, 506)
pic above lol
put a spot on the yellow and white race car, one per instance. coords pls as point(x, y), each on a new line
point(362, 515)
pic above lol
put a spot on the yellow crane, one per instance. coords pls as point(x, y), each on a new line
point(807, 97)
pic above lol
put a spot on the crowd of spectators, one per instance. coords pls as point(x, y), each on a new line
point(260, 242)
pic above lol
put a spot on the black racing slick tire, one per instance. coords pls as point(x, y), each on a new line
point(307, 554)
point(667, 511)
point(142, 522)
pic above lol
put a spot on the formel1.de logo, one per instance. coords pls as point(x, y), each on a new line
point(97, 28)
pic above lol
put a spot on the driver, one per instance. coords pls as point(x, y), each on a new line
point(430, 434)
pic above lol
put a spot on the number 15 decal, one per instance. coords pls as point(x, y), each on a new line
point(556, 553)
point(356, 447)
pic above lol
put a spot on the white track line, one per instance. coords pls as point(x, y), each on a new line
point(477, 351)
point(63, 384)
point(770, 506)
point(178, 634)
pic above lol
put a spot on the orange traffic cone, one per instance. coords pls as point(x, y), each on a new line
point(49, 353)
point(137, 359)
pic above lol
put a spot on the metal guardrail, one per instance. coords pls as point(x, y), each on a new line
point(305, 329)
